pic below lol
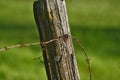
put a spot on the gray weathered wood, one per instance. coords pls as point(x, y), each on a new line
point(52, 22)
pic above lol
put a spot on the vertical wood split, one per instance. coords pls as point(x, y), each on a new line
point(52, 22)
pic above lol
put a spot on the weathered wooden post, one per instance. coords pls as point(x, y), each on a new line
point(52, 22)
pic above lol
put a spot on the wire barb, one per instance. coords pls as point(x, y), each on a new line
point(39, 59)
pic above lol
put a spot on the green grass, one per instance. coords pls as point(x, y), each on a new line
point(95, 23)
point(94, 13)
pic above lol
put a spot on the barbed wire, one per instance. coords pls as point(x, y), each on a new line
point(31, 44)
point(86, 55)
point(18, 45)
point(47, 42)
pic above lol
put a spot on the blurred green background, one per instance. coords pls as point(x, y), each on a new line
point(95, 22)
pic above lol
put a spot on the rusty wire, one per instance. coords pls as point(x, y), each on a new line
point(49, 41)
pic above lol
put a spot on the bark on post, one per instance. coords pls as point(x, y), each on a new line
point(52, 22)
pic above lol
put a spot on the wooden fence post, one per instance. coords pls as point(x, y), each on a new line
point(56, 42)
